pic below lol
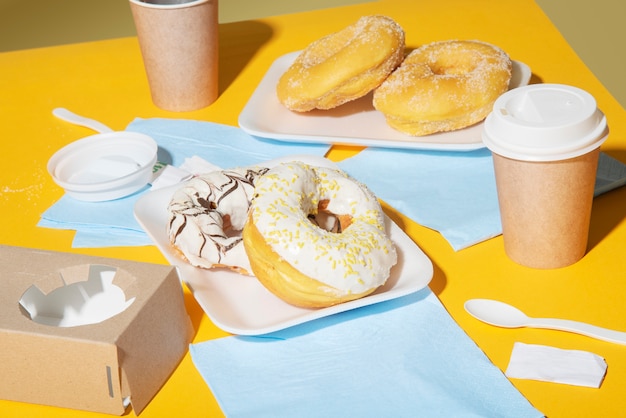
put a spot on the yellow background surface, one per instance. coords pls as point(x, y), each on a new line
point(105, 80)
point(595, 29)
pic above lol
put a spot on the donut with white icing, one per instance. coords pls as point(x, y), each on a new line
point(316, 264)
point(207, 215)
point(443, 86)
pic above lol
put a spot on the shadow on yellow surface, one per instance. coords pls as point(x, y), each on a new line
point(592, 28)
point(39, 23)
point(237, 50)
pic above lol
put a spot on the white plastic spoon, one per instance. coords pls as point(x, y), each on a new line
point(503, 315)
point(72, 117)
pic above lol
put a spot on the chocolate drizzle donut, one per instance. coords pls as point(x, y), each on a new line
point(206, 217)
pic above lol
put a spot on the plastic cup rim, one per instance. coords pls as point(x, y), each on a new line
point(172, 6)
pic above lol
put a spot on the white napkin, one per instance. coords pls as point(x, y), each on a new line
point(550, 364)
point(191, 166)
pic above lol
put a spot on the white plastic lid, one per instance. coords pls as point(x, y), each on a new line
point(544, 122)
point(105, 166)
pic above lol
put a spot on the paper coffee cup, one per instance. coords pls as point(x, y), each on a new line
point(179, 45)
point(545, 141)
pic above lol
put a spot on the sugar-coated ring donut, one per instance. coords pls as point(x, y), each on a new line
point(305, 264)
point(443, 86)
point(342, 66)
point(207, 214)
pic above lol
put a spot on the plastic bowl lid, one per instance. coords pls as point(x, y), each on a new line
point(105, 166)
point(544, 122)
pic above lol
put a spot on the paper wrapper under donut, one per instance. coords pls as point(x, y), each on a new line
point(546, 208)
point(179, 46)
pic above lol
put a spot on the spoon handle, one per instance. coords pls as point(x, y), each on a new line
point(72, 117)
point(582, 328)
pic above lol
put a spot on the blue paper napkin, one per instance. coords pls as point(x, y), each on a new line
point(111, 224)
point(97, 224)
point(451, 192)
point(401, 358)
point(222, 145)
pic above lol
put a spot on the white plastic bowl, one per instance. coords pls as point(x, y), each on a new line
point(105, 166)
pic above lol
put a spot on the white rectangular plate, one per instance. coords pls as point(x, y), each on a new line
point(353, 123)
point(241, 305)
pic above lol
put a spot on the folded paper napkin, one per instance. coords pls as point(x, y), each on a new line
point(106, 224)
point(550, 364)
point(451, 192)
point(401, 358)
point(97, 224)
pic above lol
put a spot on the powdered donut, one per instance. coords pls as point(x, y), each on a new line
point(308, 265)
point(206, 217)
point(443, 86)
point(343, 66)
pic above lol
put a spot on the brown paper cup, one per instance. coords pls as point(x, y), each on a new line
point(545, 141)
point(545, 208)
point(179, 46)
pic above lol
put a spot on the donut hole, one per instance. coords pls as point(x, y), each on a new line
point(326, 220)
point(228, 229)
point(454, 64)
point(329, 221)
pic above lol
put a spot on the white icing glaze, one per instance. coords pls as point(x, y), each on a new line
point(207, 214)
point(357, 259)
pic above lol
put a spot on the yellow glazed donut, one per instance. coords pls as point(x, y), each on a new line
point(343, 66)
point(308, 265)
point(207, 214)
point(443, 86)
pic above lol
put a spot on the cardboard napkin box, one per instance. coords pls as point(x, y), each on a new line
point(88, 333)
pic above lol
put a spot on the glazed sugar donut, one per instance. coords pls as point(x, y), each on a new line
point(306, 264)
point(342, 66)
point(444, 86)
point(206, 217)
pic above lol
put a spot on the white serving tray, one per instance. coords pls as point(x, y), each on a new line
point(241, 305)
point(353, 123)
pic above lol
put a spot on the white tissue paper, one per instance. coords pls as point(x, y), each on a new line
point(550, 364)
point(168, 176)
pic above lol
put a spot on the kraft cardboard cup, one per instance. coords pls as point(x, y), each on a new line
point(179, 45)
point(545, 140)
